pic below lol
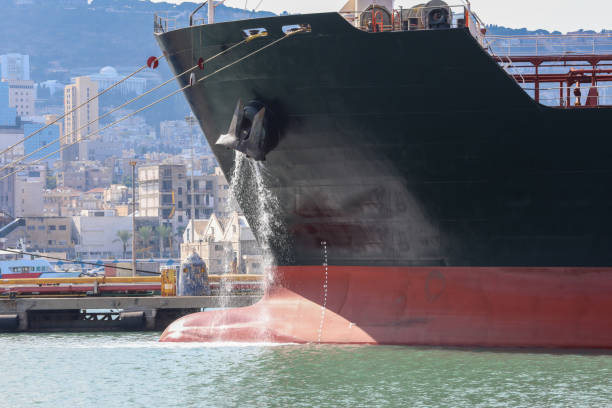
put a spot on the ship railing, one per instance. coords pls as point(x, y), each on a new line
point(199, 21)
point(565, 81)
point(564, 97)
point(538, 61)
point(553, 44)
point(163, 23)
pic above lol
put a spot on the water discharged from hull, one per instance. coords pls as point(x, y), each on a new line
point(248, 185)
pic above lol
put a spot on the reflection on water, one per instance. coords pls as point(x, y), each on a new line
point(134, 370)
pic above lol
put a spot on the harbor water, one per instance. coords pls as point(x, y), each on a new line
point(134, 370)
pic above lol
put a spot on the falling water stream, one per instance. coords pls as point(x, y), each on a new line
point(249, 189)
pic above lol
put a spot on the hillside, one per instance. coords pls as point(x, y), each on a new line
point(62, 36)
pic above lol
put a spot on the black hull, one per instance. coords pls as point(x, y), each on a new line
point(407, 148)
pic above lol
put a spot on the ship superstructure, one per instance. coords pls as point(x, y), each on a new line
point(426, 193)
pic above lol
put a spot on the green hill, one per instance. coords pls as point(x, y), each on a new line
point(63, 35)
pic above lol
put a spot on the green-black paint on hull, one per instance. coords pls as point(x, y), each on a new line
point(407, 148)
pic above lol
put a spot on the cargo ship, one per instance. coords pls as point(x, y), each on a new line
point(426, 194)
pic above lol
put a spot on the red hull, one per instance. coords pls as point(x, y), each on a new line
point(449, 306)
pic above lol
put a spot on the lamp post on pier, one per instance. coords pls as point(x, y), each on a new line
point(133, 164)
point(191, 121)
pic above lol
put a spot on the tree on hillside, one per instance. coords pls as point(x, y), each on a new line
point(123, 236)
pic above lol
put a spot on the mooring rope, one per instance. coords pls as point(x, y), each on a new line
point(78, 107)
point(14, 162)
point(21, 166)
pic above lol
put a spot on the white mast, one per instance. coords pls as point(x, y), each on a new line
point(211, 11)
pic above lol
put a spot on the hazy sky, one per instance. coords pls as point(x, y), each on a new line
point(562, 15)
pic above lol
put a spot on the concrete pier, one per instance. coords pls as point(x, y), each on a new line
point(106, 313)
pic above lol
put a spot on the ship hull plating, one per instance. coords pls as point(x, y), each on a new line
point(407, 150)
point(448, 306)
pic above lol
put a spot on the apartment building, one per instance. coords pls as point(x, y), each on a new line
point(14, 67)
point(62, 201)
point(22, 96)
point(97, 232)
point(28, 194)
point(84, 175)
point(50, 234)
point(79, 124)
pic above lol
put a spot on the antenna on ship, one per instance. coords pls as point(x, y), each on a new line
point(211, 10)
point(256, 7)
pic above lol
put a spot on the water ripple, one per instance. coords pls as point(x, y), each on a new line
point(134, 370)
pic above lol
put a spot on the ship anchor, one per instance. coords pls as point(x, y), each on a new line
point(251, 131)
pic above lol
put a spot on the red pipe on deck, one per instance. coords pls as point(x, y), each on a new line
point(78, 289)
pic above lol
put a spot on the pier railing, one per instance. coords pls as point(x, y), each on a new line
point(126, 279)
point(236, 284)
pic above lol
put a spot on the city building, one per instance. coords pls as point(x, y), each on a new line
point(93, 199)
point(50, 234)
point(8, 114)
point(15, 67)
point(28, 192)
point(226, 246)
point(122, 210)
point(7, 191)
point(98, 177)
point(71, 176)
point(203, 194)
point(59, 123)
point(97, 232)
point(52, 85)
point(116, 194)
point(84, 175)
point(165, 191)
point(224, 203)
point(101, 150)
point(177, 131)
point(79, 124)
point(108, 76)
point(48, 136)
point(22, 96)
point(10, 131)
point(162, 192)
point(41, 234)
point(9, 136)
point(62, 201)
